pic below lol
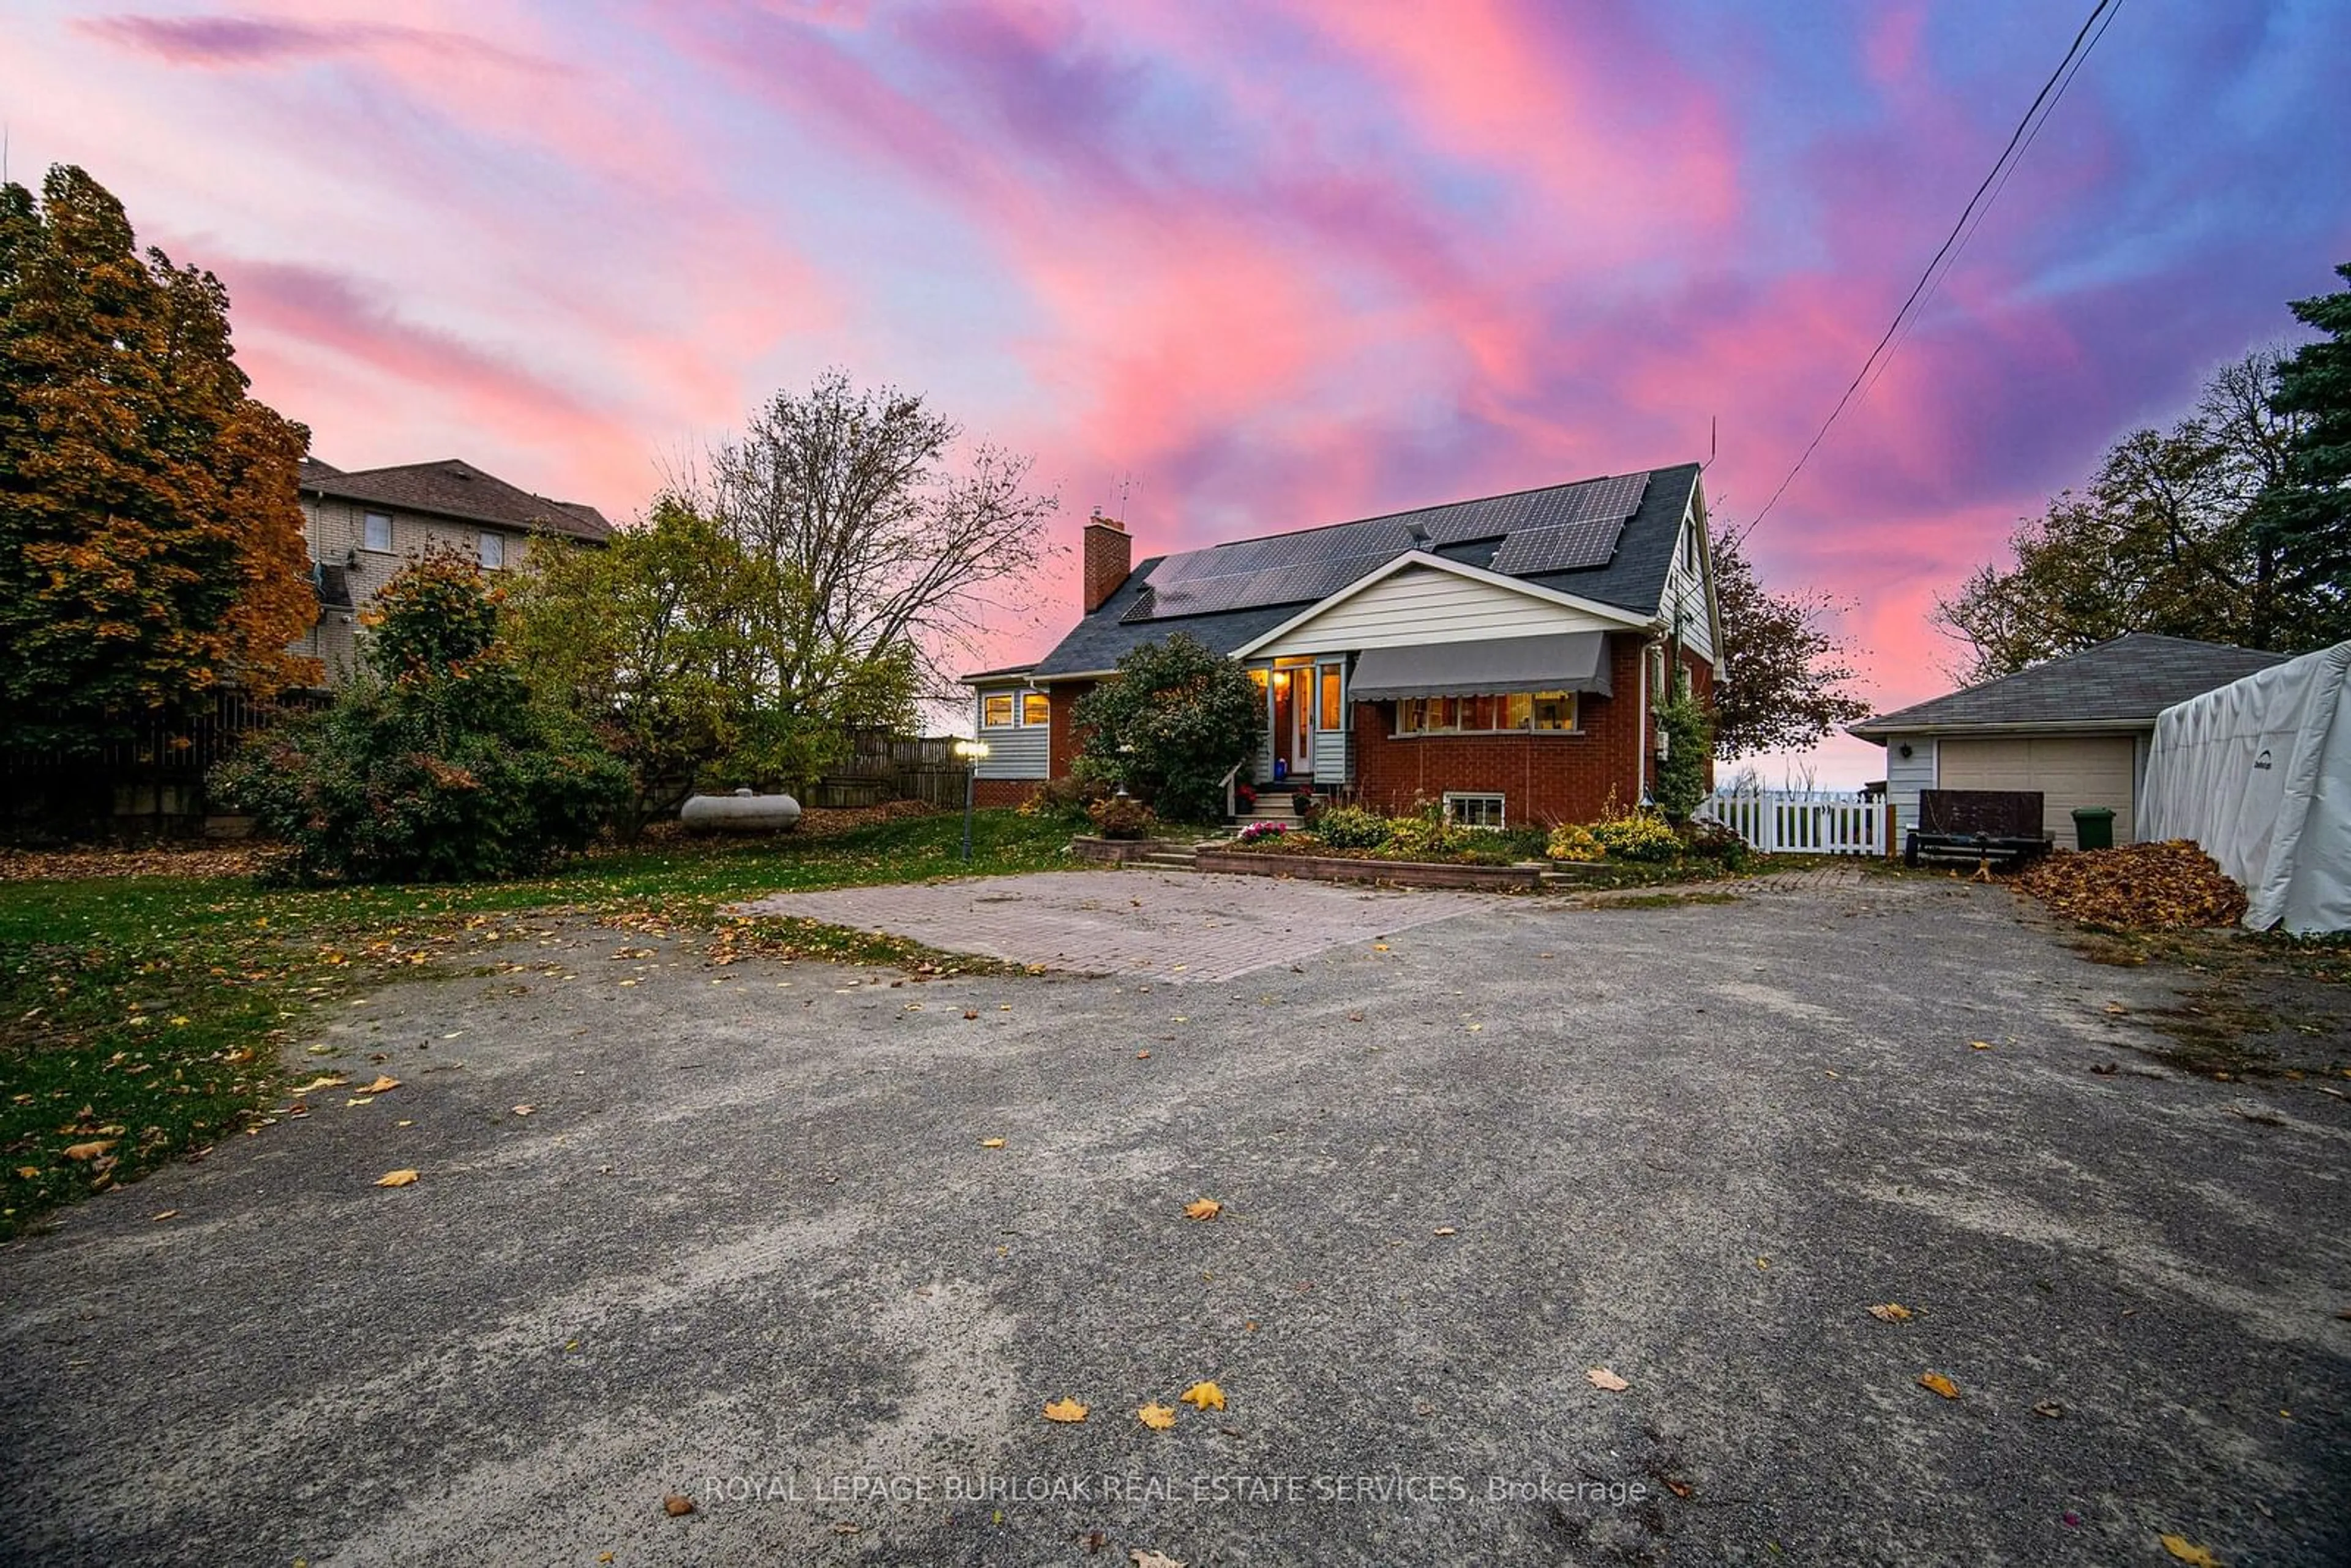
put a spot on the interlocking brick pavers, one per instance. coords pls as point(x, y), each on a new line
point(1179, 926)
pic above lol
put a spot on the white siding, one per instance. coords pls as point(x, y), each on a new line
point(1905, 776)
point(1424, 604)
point(1017, 751)
point(1685, 591)
point(1331, 757)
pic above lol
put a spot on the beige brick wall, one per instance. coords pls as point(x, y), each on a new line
point(336, 527)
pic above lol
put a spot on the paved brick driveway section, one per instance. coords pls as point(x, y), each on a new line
point(1175, 925)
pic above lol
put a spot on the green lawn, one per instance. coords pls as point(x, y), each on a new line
point(146, 1017)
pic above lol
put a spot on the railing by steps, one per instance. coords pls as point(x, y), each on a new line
point(1801, 821)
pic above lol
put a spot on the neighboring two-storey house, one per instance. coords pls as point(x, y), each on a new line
point(364, 524)
point(1505, 655)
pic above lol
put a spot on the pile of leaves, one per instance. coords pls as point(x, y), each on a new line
point(149, 860)
point(2138, 887)
point(823, 822)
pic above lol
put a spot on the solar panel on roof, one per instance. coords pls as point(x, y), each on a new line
point(1563, 529)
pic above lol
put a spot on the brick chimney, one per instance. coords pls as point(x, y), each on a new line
point(1110, 556)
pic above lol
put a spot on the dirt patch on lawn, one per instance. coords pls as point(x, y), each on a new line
point(2257, 1006)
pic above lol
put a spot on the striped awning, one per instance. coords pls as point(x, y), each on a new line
point(1557, 662)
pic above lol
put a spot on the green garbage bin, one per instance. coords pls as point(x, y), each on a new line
point(2094, 827)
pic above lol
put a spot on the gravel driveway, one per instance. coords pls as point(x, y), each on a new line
point(750, 1248)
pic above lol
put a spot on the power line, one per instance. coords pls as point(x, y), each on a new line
point(2026, 130)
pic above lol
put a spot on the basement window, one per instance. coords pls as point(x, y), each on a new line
point(1474, 811)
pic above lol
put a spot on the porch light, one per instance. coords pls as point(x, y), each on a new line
point(971, 750)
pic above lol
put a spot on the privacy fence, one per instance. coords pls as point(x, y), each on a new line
point(883, 766)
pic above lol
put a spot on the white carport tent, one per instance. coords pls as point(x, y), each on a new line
point(2259, 773)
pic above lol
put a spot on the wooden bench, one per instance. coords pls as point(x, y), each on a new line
point(1977, 827)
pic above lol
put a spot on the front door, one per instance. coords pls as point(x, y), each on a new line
point(1294, 719)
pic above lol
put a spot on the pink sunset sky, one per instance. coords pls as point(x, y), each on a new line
point(1250, 267)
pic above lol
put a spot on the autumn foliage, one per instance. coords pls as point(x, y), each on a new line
point(435, 765)
point(2137, 887)
point(151, 533)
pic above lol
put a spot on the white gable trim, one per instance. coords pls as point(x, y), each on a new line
point(1413, 558)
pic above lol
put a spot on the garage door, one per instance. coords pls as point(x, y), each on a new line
point(2068, 770)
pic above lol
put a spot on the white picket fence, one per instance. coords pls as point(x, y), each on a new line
point(1802, 821)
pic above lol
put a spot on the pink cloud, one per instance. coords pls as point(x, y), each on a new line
point(232, 42)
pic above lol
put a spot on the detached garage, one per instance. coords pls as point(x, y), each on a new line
point(2077, 729)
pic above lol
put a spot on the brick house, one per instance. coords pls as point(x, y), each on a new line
point(363, 524)
point(1504, 656)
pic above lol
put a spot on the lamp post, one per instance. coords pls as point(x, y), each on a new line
point(972, 752)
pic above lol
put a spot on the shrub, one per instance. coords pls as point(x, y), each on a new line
point(1681, 772)
point(1571, 842)
point(1121, 816)
point(1424, 836)
point(1518, 843)
point(1642, 836)
point(1712, 841)
point(1353, 828)
point(435, 766)
point(1069, 799)
point(1171, 725)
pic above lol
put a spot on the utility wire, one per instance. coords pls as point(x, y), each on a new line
point(2026, 129)
point(1927, 298)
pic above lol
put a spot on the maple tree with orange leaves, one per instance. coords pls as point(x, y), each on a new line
point(151, 541)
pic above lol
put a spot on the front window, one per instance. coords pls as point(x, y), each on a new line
point(996, 710)
point(494, 552)
point(375, 532)
point(1474, 811)
point(1036, 708)
point(1334, 709)
point(1504, 713)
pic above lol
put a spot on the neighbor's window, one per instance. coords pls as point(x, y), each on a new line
point(1334, 711)
point(1513, 713)
point(1036, 708)
point(494, 552)
point(1474, 811)
point(375, 532)
point(996, 710)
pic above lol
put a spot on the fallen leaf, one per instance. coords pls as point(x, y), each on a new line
point(676, 1506)
point(1939, 1384)
point(524, 1109)
point(2116, 1008)
point(90, 1150)
point(1065, 1409)
point(30, 1171)
point(1444, 1230)
point(1142, 1056)
point(1890, 1312)
point(324, 1081)
point(396, 1178)
point(1203, 1208)
point(1978, 1045)
point(167, 1214)
point(1379, 946)
point(2105, 1069)
point(1601, 1378)
point(2049, 1408)
point(991, 1143)
point(1204, 1395)
point(384, 1084)
point(970, 1013)
point(604, 1557)
point(1141, 1559)
point(1156, 1416)
point(2188, 1552)
point(1679, 1488)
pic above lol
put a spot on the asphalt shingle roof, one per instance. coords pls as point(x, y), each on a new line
point(453, 489)
point(1634, 578)
point(2130, 679)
